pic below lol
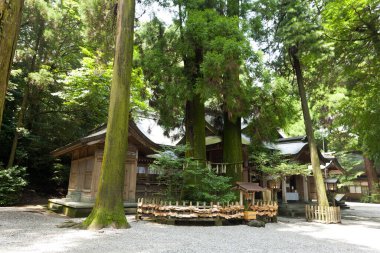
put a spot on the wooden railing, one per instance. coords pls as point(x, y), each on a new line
point(168, 209)
point(265, 208)
point(154, 208)
point(323, 214)
point(221, 168)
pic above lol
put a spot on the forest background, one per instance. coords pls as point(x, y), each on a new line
point(61, 74)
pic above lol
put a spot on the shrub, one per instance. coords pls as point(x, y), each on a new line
point(365, 199)
point(61, 174)
point(12, 182)
point(210, 187)
point(375, 198)
point(175, 171)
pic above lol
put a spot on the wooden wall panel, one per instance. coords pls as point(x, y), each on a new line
point(73, 175)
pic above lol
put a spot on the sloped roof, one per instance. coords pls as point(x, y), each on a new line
point(137, 131)
point(249, 187)
point(152, 130)
point(214, 139)
point(289, 148)
point(295, 147)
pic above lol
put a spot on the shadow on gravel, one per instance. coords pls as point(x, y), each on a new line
point(350, 236)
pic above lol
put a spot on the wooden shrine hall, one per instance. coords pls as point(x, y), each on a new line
point(145, 139)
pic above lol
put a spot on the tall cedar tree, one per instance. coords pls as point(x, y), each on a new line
point(170, 60)
point(232, 144)
point(314, 157)
point(109, 209)
point(292, 28)
point(10, 19)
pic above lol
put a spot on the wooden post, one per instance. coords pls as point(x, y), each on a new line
point(253, 198)
point(283, 186)
point(305, 189)
point(241, 197)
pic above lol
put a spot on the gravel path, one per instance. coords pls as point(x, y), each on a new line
point(362, 211)
point(33, 230)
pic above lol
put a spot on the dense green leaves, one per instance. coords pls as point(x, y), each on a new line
point(231, 63)
point(352, 26)
point(12, 182)
point(174, 168)
point(273, 164)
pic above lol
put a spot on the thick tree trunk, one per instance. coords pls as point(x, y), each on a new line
point(319, 183)
point(109, 209)
point(373, 179)
point(189, 129)
point(232, 147)
point(195, 129)
point(194, 119)
point(195, 109)
point(199, 129)
point(195, 137)
point(10, 19)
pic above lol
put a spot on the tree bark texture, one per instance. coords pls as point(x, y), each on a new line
point(373, 178)
point(199, 129)
point(195, 129)
point(109, 209)
point(195, 137)
point(10, 19)
point(189, 129)
point(319, 183)
point(195, 123)
point(195, 109)
point(194, 116)
point(232, 147)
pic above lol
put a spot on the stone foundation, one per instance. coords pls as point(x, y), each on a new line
point(75, 209)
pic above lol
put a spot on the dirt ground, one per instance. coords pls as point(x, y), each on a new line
point(33, 229)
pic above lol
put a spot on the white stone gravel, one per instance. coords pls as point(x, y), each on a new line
point(31, 230)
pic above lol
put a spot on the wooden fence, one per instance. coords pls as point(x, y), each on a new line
point(323, 214)
point(153, 208)
point(167, 209)
point(265, 208)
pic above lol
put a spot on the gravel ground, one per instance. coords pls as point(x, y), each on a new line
point(30, 229)
point(362, 211)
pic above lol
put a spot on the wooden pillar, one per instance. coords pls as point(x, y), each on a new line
point(305, 189)
point(74, 173)
point(253, 198)
point(241, 198)
point(81, 172)
point(283, 185)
